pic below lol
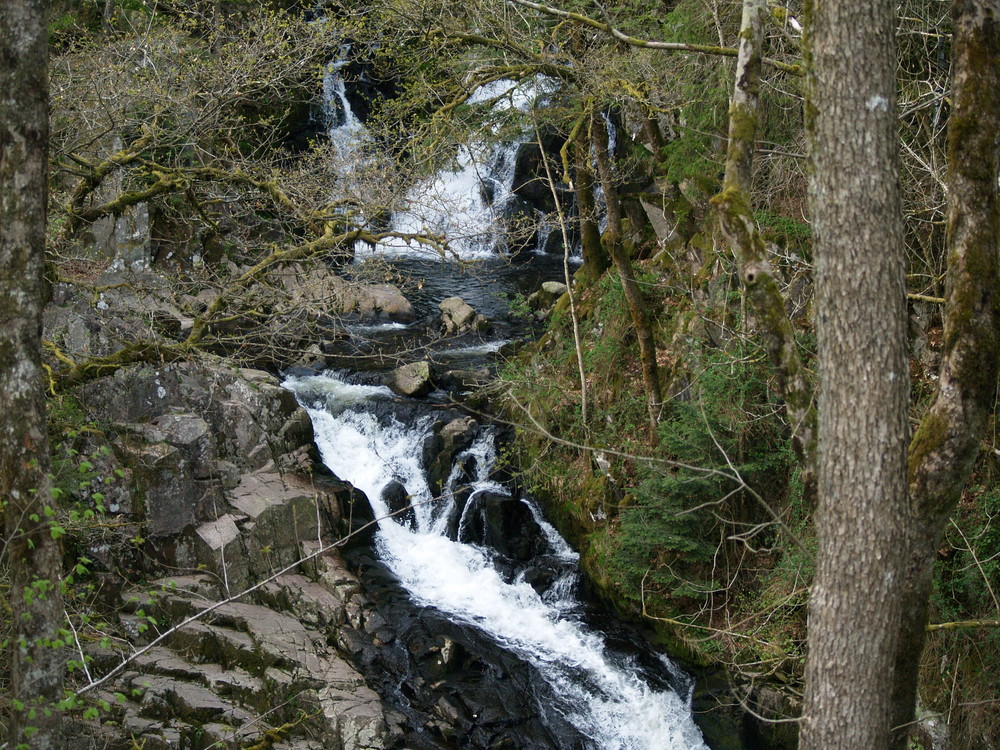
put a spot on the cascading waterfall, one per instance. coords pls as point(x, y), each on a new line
point(465, 203)
point(598, 692)
point(345, 128)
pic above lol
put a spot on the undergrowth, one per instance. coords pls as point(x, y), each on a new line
point(676, 530)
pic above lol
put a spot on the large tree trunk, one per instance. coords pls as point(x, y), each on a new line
point(946, 443)
point(759, 285)
point(33, 555)
point(861, 518)
point(612, 242)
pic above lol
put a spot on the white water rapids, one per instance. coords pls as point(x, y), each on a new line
point(605, 699)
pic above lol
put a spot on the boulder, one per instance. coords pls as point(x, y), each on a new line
point(504, 524)
point(458, 316)
point(529, 180)
point(317, 288)
point(464, 380)
point(413, 380)
point(547, 295)
point(398, 500)
point(443, 446)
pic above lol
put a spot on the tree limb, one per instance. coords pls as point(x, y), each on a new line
point(632, 41)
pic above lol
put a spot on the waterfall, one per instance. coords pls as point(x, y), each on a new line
point(345, 129)
point(451, 205)
point(600, 693)
point(467, 203)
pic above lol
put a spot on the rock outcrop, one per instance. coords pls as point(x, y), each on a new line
point(252, 637)
point(317, 286)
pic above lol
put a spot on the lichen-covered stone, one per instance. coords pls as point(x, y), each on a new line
point(412, 380)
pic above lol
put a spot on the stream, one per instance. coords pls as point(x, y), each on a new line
point(493, 643)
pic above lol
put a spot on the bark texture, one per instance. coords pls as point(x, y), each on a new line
point(612, 241)
point(738, 225)
point(35, 661)
point(946, 443)
point(861, 518)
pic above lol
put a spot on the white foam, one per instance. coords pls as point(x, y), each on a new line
point(607, 701)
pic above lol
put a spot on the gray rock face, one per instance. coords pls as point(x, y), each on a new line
point(252, 420)
point(173, 500)
point(242, 669)
point(205, 446)
point(412, 380)
point(191, 435)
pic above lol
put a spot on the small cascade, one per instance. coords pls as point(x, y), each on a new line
point(471, 204)
point(488, 560)
point(451, 205)
point(345, 129)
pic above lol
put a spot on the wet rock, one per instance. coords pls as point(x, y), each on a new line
point(504, 524)
point(529, 181)
point(398, 500)
point(443, 446)
point(458, 434)
point(554, 242)
point(413, 380)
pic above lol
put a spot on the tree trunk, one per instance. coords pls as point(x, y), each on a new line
point(595, 258)
point(108, 16)
point(946, 443)
point(759, 285)
point(36, 664)
point(861, 518)
point(612, 242)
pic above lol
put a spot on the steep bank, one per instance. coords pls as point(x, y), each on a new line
point(695, 535)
